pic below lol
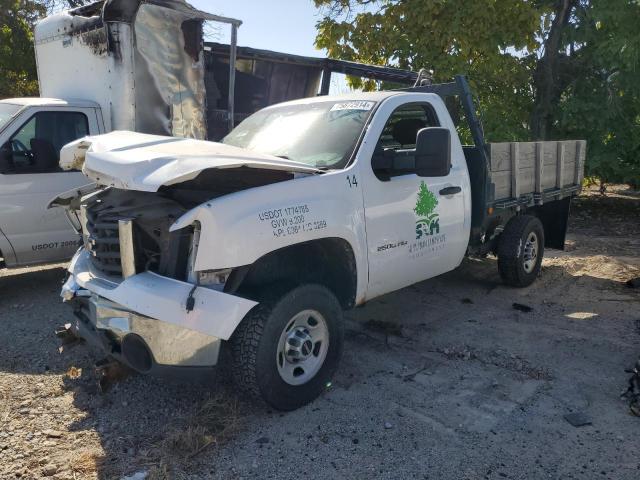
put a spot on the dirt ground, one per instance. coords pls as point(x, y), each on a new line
point(441, 380)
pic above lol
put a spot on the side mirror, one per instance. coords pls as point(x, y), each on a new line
point(433, 152)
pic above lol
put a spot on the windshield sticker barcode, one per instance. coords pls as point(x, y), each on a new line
point(355, 105)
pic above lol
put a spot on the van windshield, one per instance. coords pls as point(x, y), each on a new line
point(318, 134)
point(7, 111)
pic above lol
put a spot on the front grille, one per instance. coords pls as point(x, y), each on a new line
point(103, 240)
point(155, 249)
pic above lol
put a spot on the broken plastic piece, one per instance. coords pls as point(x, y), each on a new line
point(578, 419)
point(110, 371)
point(522, 308)
point(67, 336)
point(633, 283)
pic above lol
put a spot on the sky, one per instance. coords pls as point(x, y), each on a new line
point(282, 25)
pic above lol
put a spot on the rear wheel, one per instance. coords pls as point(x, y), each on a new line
point(520, 251)
point(288, 347)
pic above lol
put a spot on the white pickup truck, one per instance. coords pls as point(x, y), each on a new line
point(258, 243)
point(32, 132)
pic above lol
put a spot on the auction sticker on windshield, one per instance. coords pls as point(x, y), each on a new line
point(354, 105)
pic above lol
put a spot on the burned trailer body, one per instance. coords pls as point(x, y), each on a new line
point(265, 77)
point(141, 61)
point(262, 78)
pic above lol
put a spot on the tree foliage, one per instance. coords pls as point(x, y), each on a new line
point(17, 58)
point(18, 75)
point(542, 69)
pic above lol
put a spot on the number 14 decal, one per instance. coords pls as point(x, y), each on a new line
point(353, 183)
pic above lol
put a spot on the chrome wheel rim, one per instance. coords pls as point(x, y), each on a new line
point(302, 347)
point(530, 256)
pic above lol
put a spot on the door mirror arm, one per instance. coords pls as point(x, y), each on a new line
point(382, 164)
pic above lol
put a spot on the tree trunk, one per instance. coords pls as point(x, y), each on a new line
point(546, 83)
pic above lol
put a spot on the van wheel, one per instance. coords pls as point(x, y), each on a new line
point(288, 347)
point(520, 251)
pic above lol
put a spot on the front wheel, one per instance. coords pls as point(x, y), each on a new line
point(520, 251)
point(288, 347)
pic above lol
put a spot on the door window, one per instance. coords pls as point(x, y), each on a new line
point(402, 128)
point(35, 148)
point(397, 143)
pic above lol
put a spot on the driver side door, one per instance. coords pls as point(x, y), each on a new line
point(30, 177)
point(415, 226)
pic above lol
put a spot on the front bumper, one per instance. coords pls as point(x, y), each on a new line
point(143, 320)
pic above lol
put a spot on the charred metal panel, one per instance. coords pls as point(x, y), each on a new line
point(81, 57)
point(169, 73)
point(141, 60)
point(260, 82)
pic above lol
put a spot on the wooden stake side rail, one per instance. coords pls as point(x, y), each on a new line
point(531, 173)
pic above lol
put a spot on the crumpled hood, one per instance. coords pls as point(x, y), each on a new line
point(136, 161)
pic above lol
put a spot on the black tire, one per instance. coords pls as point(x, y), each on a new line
point(511, 251)
point(255, 345)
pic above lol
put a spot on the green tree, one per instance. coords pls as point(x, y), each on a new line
point(542, 69)
point(427, 201)
point(17, 59)
point(601, 102)
point(18, 74)
point(479, 38)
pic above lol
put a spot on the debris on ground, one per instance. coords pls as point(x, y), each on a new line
point(109, 371)
point(67, 338)
point(578, 419)
point(523, 308)
point(52, 433)
point(384, 326)
point(633, 283)
point(633, 390)
point(410, 377)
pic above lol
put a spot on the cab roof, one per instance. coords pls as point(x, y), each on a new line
point(50, 102)
point(348, 97)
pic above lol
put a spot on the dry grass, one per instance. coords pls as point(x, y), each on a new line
point(160, 472)
point(87, 462)
point(216, 419)
point(213, 424)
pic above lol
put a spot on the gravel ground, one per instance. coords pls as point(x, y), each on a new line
point(441, 380)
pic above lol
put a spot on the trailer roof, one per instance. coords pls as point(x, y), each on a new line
point(374, 72)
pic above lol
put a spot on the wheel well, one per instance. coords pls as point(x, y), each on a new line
point(328, 261)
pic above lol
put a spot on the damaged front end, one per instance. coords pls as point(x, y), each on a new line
point(132, 289)
point(133, 285)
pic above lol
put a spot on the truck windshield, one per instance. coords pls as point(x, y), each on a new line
point(7, 110)
point(318, 134)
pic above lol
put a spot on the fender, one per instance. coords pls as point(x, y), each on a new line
point(239, 228)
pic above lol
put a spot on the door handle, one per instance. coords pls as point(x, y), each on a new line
point(450, 190)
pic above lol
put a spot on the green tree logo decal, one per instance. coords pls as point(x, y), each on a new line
point(428, 220)
point(427, 202)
